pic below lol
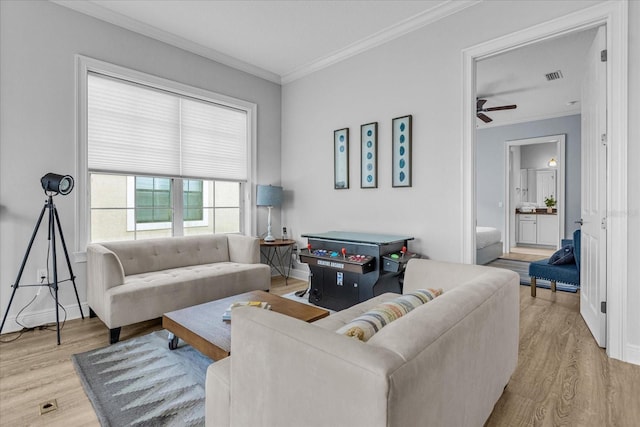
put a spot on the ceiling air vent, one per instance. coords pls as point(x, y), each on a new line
point(554, 76)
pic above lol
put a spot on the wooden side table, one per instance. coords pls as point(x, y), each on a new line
point(278, 255)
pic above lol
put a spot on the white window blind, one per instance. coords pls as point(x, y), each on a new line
point(135, 129)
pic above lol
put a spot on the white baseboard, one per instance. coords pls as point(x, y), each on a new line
point(294, 273)
point(299, 274)
point(633, 354)
point(44, 317)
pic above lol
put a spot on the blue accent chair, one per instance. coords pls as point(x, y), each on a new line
point(566, 273)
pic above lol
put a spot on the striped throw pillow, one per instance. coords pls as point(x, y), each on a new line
point(366, 325)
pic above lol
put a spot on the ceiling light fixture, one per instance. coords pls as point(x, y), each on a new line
point(553, 163)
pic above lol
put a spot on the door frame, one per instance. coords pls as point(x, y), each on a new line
point(615, 16)
point(560, 184)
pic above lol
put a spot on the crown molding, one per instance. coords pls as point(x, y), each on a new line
point(383, 36)
point(91, 9)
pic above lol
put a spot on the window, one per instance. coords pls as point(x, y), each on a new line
point(140, 207)
point(161, 159)
point(192, 200)
point(153, 200)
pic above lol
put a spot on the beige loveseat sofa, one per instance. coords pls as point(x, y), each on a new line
point(445, 363)
point(133, 281)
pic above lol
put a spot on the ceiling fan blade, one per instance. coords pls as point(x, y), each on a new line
point(480, 103)
point(504, 107)
point(484, 117)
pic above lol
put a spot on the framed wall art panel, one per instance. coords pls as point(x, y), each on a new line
point(341, 158)
point(401, 157)
point(369, 155)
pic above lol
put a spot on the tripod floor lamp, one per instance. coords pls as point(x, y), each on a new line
point(52, 184)
point(269, 196)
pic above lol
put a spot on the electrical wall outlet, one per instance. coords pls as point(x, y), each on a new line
point(42, 276)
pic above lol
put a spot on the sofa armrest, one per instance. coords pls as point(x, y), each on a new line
point(461, 349)
point(277, 361)
point(218, 394)
point(104, 271)
point(244, 249)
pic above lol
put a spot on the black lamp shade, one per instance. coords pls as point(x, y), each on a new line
point(55, 183)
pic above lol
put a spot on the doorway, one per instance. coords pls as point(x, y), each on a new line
point(535, 177)
point(613, 16)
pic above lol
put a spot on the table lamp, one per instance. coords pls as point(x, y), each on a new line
point(269, 196)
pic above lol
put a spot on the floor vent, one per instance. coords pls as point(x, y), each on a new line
point(48, 406)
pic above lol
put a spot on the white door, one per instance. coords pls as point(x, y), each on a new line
point(593, 285)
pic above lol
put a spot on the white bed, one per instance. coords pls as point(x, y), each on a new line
point(488, 244)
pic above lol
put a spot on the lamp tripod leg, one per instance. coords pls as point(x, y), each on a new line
point(52, 242)
point(24, 262)
point(54, 222)
point(4, 319)
point(66, 254)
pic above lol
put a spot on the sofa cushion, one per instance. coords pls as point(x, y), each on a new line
point(340, 318)
point(562, 256)
point(367, 324)
point(144, 256)
point(149, 295)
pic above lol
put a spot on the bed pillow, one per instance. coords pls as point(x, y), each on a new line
point(563, 256)
point(366, 325)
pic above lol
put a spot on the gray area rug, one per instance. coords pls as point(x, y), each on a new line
point(522, 268)
point(140, 382)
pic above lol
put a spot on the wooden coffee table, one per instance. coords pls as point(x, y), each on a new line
point(202, 326)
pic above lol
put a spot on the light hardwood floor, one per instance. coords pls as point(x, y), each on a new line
point(562, 377)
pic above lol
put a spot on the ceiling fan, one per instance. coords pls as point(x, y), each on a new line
point(480, 110)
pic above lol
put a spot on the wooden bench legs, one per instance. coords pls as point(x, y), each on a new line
point(533, 286)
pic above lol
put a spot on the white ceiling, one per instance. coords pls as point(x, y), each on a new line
point(277, 40)
point(518, 77)
point(285, 40)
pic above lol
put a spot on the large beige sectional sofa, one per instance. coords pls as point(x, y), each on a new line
point(133, 281)
point(445, 363)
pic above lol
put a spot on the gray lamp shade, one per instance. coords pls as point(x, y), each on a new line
point(268, 195)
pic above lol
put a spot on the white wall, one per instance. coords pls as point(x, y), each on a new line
point(38, 41)
point(419, 74)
